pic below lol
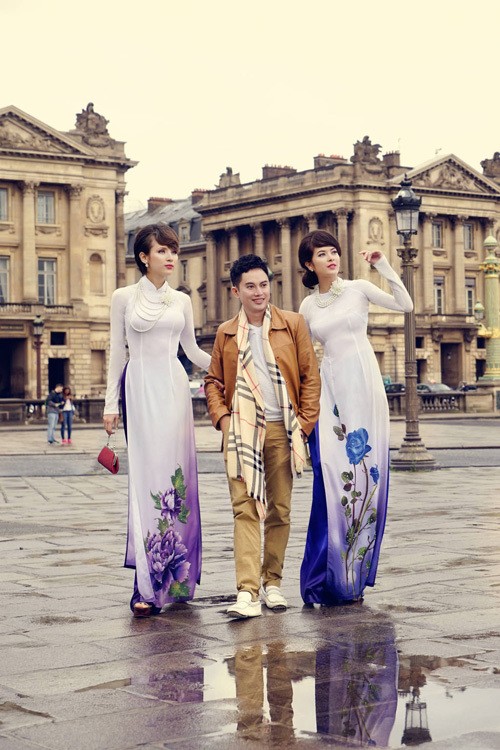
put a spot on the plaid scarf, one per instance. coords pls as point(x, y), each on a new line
point(247, 429)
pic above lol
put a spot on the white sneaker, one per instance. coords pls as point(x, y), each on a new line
point(244, 607)
point(273, 598)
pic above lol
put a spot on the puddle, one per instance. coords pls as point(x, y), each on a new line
point(354, 691)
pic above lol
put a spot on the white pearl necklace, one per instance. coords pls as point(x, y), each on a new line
point(150, 307)
point(336, 289)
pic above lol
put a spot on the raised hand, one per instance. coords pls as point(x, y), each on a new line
point(371, 256)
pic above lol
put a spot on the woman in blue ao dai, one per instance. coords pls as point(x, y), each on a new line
point(350, 444)
point(148, 321)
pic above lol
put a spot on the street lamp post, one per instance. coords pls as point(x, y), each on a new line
point(412, 455)
point(37, 344)
point(490, 312)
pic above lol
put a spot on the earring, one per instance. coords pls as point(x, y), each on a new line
point(147, 265)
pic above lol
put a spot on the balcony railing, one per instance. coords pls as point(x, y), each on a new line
point(33, 308)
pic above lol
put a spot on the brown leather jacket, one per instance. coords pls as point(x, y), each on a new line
point(295, 356)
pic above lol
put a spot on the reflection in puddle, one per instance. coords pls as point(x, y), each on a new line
point(351, 689)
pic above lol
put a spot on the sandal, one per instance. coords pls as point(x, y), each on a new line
point(143, 609)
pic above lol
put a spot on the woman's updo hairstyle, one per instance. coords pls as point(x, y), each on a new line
point(312, 240)
point(162, 233)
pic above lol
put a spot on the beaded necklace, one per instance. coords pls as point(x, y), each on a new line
point(150, 308)
point(336, 289)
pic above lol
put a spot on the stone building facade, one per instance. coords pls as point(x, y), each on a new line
point(352, 199)
point(62, 249)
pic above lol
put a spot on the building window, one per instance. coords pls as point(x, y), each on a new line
point(47, 281)
point(468, 237)
point(97, 367)
point(4, 280)
point(58, 338)
point(46, 207)
point(184, 232)
point(4, 204)
point(96, 276)
point(439, 295)
point(184, 271)
point(437, 234)
point(470, 295)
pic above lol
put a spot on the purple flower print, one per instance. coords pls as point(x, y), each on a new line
point(166, 556)
point(171, 503)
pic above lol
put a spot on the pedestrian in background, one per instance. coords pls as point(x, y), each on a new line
point(350, 443)
point(148, 321)
point(54, 405)
point(68, 412)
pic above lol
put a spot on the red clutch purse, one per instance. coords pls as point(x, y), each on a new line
point(109, 459)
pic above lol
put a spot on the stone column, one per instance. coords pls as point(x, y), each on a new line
point(312, 222)
point(428, 265)
point(491, 269)
point(458, 265)
point(30, 268)
point(234, 254)
point(212, 280)
point(392, 255)
point(347, 261)
point(121, 250)
point(75, 244)
point(286, 264)
point(258, 239)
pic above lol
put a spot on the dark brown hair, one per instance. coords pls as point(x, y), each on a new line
point(247, 263)
point(162, 233)
point(317, 238)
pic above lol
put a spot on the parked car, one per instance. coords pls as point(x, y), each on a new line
point(395, 388)
point(467, 387)
point(433, 388)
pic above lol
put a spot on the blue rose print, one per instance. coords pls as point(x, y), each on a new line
point(374, 473)
point(357, 445)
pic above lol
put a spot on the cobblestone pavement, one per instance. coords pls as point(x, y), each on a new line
point(77, 671)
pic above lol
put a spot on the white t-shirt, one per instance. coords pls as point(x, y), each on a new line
point(272, 408)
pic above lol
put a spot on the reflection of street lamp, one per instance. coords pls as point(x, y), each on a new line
point(412, 454)
point(37, 343)
point(416, 731)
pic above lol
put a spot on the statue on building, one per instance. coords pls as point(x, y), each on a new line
point(491, 167)
point(92, 126)
point(366, 152)
point(227, 178)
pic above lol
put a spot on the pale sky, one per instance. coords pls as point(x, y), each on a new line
point(193, 87)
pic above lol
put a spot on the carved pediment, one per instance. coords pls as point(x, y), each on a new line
point(15, 136)
point(20, 132)
point(451, 174)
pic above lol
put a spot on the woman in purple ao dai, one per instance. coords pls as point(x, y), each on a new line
point(350, 444)
point(148, 321)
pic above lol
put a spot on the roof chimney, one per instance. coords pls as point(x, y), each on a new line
point(154, 203)
point(197, 194)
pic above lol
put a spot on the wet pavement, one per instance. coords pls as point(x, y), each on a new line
point(417, 662)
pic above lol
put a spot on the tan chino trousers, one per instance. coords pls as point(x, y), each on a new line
point(247, 535)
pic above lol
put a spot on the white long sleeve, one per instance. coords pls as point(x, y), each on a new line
point(188, 341)
point(399, 300)
point(118, 348)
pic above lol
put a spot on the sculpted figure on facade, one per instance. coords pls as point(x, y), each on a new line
point(93, 127)
point(14, 137)
point(375, 232)
point(366, 152)
point(491, 167)
point(95, 209)
point(227, 178)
